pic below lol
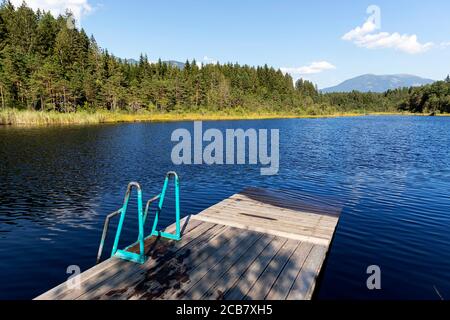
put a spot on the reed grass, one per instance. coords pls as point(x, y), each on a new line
point(38, 118)
point(15, 117)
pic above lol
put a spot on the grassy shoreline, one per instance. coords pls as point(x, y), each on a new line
point(14, 117)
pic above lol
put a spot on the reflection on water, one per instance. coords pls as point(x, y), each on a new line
point(389, 175)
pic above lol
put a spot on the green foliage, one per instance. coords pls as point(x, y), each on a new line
point(47, 65)
point(433, 98)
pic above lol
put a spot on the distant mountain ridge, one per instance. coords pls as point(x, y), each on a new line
point(378, 83)
point(174, 63)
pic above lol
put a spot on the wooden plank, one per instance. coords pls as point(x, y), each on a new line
point(128, 279)
point(294, 200)
point(60, 290)
point(304, 284)
point(246, 281)
point(230, 276)
point(239, 257)
point(278, 212)
point(110, 264)
point(126, 267)
point(254, 211)
point(259, 217)
point(286, 279)
point(162, 278)
point(240, 242)
point(252, 218)
point(268, 215)
point(262, 229)
point(262, 286)
point(161, 247)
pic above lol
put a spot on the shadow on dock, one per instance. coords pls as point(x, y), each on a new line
point(296, 200)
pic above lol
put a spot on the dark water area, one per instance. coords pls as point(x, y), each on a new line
point(390, 174)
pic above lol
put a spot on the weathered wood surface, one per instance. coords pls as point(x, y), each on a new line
point(276, 213)
point(254, 245)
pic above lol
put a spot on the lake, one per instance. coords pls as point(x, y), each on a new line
point(390, 174)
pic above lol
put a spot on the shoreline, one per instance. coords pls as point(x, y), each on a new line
point(18, 118)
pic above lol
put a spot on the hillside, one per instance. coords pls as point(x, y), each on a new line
point(378, 83)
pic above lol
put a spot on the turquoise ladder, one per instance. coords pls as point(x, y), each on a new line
point(142, 218)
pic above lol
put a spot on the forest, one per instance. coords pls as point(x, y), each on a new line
point(48, 64)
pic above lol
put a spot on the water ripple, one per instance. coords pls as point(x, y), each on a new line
point(389, 175)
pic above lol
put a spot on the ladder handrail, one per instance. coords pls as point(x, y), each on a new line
point(147, 206)
point(105, 231)
point(177, 235)
point(131, 185)
point(142, 217)
point(122, 212)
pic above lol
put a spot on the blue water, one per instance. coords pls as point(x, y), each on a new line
point(390, 174)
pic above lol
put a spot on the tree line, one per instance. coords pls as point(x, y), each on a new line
point(48, 64)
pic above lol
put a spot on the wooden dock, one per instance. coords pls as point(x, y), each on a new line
point(254, 245)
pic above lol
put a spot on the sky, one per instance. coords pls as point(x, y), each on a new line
point(325, 41)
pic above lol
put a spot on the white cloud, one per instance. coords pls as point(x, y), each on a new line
point(445, 45)
point(79, 8)
point(368, 27)
point(313, 68)
point(365, 37)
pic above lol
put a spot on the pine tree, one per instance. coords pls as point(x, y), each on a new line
point(3, 30)
point(46, 34)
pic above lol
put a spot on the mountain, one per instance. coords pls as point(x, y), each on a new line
point(132, 61)
point(169, 62)
point(378, 83)
point(175, 64)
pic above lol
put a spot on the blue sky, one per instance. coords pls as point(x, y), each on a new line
point(308, 38)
